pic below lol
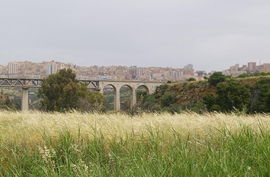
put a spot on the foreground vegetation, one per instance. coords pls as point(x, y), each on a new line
point(188, 144)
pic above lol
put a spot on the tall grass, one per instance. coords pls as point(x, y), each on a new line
point(75, 144)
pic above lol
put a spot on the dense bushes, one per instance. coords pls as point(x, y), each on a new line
point(159, 101)
point(223, 94)
point(230, 96)
point(234, 95)
point(261, 96)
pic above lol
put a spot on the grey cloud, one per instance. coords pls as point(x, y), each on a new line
point(211, 34)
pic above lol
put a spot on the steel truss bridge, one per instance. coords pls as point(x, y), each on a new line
point(36, 83)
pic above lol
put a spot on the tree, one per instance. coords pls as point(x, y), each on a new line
point(261, 96)
point(62, 92)
point(230, 96)
point(90, 101)
point(216, 78)
point(233, 95)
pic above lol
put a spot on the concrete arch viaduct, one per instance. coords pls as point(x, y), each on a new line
point(25, 84)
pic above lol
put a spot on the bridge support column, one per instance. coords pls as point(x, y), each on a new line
point(117, 105)
point(134, 97)
point(25, 99)
point(101, 91)
point(101, 87)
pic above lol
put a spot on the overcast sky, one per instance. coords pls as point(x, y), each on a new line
point(211, 34)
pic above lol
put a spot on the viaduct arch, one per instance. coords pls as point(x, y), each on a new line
point(25, 84)
point(133, 85)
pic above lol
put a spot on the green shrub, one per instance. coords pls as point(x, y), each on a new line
point(216, 78)
point(231, 96)
point(261, 96)
point(168, 99)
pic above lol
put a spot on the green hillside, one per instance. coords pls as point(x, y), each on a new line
point(194, 91)
point(175, 97)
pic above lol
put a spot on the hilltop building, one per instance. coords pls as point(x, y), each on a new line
point(13, 68)
point(51, 68)
point(265, 67)
point(251, 67)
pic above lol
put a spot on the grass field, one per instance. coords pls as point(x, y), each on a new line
point(188, 144)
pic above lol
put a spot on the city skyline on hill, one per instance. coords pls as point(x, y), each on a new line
point(28, 69)
point(89, 64)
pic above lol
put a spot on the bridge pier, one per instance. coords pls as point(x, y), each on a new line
point(25, 99)
point(117, 104)
point(134, 98)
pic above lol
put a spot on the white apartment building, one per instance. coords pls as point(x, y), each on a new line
point(13, 68)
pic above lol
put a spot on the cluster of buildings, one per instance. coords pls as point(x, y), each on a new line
point(28, 69)
point(251, 67)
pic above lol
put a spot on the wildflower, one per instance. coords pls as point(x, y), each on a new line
point(47, 155)
point(75, 147)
